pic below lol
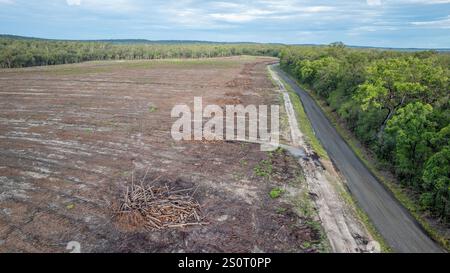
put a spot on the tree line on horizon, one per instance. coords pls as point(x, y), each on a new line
point(395, 103)
point(17, 53)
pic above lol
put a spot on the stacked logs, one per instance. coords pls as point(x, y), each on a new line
point(159, 207)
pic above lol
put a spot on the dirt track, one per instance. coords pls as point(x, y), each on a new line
point(343, 228)
point(71, 137)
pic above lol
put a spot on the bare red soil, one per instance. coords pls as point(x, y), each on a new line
point(72, 136)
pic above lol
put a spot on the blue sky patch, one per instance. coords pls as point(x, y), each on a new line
point(396, 23)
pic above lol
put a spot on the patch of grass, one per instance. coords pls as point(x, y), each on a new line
point(278, 151)
point(281, 210)
point(400, 194)
point(304, 206)
point(152, 109)
point(276, 193)
point(316, 226)
point(264, 168)
point(306, 245)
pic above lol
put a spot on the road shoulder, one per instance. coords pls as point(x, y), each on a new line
point(340, 221)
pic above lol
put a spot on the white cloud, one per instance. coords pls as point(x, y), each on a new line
point(192, 18)
point(426, 2)
point(6, 2)
point(374, 2)
point(197, 13)
point(246, 15)
point(73, 2)
point(116, 6)
point(315, 9)
point(443, 23)
point(226, 5)
point(233, 17)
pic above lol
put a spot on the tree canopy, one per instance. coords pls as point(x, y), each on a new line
point(16, 53)
point(396, 103)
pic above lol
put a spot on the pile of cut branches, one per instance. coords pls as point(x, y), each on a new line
point(159, 207)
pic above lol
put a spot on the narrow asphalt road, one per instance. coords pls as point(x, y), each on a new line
point(391, 219)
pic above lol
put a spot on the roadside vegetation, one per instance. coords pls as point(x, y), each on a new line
point(406, 196)
point(306, 128)
point(397, 105)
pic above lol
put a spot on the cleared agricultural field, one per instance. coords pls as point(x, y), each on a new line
point(73, 137)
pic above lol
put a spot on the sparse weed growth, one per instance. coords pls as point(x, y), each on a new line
point(152, 109)
point(276, 193)
point(264, 168)
point(243, 162)
point(280, 210)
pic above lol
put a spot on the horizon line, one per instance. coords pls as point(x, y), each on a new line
point(223, 42)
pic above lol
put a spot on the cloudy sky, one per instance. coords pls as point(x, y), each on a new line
point(392, 23)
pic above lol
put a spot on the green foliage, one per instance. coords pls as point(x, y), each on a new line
point(16, 53)
point(436, 177)
point(152, 109)
point(396, 103)
point(281, 210)
point(264, 168)
point(410, 131)
point(276, 193)
point(392, 83)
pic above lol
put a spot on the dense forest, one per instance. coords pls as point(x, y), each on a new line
point(396, 103)
point(16, 53)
